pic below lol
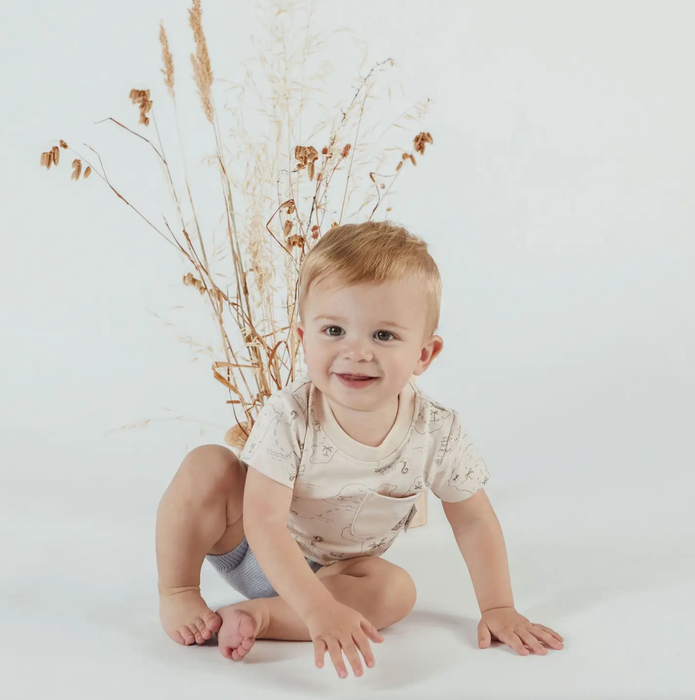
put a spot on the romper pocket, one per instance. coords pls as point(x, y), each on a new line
point(380, 516)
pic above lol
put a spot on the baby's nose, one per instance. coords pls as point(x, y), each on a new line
point(358, 349)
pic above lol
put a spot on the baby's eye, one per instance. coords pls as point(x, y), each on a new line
point(335, 335)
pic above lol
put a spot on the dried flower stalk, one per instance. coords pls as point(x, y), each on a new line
point(271, 239)
point(167, 60)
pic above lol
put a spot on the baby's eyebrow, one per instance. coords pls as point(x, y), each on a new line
point(342, 320)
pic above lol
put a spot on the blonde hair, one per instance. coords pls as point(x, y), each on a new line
point(373, 252)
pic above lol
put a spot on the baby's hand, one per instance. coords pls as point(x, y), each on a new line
point(339, 629)
point(508, 626)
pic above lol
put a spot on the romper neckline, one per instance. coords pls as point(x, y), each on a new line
point(366, 453)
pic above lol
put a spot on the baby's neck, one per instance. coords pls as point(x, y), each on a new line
point(369, 429)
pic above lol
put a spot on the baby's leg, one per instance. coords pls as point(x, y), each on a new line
point(200, 513)
point(383, 592)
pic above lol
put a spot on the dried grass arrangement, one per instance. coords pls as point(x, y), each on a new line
point(288, 205)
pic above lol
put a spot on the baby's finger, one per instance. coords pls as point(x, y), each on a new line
point(557, 636)
point(371, 631)
point(546, 637)
point(350, 650)
point(319, 652)
point(336, 656)
point(514, 642)
point(531, 642)
point(365, 648)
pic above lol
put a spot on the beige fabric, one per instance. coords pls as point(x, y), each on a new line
point(351, 499)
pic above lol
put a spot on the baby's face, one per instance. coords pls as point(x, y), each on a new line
point(374, 330)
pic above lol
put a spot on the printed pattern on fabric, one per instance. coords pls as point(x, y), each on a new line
point(350, 499)
point(276, 432)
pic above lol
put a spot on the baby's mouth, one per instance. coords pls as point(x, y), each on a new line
point(357, 380)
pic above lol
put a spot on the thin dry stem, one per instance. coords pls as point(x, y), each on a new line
point(290, 175)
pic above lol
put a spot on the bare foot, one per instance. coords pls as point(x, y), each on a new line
point(186, 618)
point(238, 632)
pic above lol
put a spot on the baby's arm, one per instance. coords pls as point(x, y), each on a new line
point(266, 509)
point(334, 627)
point(479, 537)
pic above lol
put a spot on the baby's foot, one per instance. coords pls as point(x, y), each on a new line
point(238, 632)
point(186, 618)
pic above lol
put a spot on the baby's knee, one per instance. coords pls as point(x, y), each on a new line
point(396, 597)
point(405, 593)
point(211, 470)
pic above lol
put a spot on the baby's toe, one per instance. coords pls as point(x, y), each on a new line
point(212, 621)
point(245, 647)
point(247, 628)
point(187, 635)
point(198, 637)
point(204, 632)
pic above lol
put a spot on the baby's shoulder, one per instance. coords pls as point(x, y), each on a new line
point(433, 418)
point(293, 399)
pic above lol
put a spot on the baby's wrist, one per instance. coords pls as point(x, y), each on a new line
point(317, 605)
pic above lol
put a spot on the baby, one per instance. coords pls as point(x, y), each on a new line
point(330, 474)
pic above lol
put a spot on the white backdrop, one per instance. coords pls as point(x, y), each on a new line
point(557, 200)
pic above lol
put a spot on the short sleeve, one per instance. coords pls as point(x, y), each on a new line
point(273, 446)
point(462, 471)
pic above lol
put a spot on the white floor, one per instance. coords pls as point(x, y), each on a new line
point(611, 570)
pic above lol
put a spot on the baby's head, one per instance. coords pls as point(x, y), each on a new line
point(369, 302)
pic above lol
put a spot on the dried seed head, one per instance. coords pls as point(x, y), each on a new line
point(420, 140)
point(142, 99)
point(287, 228)
point(202, 70)
point(167, 59)
point(346, 150)
point(87, 172)
point(305, 155)
point(55, 151)
point(77, 169)
point(63, 144)
point(190, 281)
point(46, 160)
point(295, 241)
